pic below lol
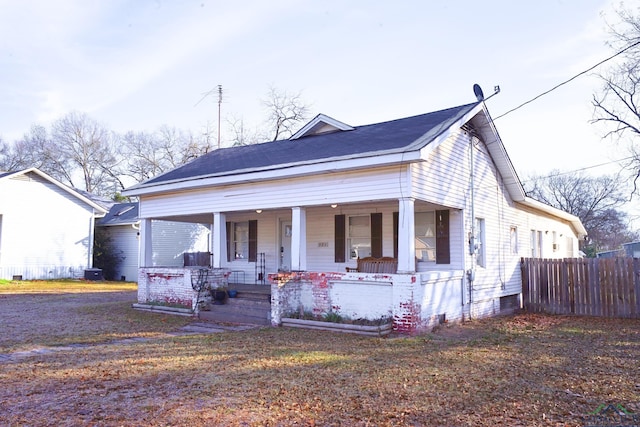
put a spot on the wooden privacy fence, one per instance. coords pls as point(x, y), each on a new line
point(607, 287)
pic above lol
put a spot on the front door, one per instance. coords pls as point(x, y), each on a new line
point(285, 246)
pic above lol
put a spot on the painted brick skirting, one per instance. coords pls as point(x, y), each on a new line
point(416, 302)
point(172, 285)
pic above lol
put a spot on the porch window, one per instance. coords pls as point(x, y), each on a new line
point(425, 228)
point(359, 236)
point(241, 240)
point(432, 236)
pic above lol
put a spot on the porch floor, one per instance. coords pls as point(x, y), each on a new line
point(252, 305)
point(251, 288)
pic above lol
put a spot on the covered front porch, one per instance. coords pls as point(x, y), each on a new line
point(252, 244)
point(307, 257)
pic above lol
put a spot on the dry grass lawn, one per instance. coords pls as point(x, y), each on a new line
point(525, 370)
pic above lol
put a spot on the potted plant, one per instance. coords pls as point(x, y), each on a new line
point(218, 294)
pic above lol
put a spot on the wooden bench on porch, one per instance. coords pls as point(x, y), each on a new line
point(375, 265)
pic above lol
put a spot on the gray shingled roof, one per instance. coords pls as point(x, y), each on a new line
point(120, 214)
point(363, 141)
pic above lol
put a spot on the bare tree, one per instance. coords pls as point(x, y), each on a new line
point(35, 149)
point(241, 135)
point(146, 155)
point(597, 201)
point(617, 105)
point(286, 111)
point(9, 158)
point(83, 148)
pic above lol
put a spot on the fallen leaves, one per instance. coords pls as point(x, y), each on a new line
point(521, 370)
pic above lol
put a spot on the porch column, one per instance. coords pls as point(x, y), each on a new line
point(145, 256)
point(406, 236)
point(298, 239)
point(219, 246)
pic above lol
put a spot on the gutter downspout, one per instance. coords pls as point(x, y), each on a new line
point(471, 272)
point(92, 225)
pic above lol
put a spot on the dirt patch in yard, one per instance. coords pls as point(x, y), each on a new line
point(68, 316)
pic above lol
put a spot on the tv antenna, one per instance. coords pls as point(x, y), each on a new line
point(211, 92)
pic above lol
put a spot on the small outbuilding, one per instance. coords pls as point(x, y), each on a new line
point(46, 227)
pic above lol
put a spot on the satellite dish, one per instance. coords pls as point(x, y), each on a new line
point(478, 92)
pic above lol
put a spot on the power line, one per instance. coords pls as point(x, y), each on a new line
point(569, 80)
point(537, 178)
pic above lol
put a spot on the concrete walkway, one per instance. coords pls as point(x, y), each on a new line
point(195, 328)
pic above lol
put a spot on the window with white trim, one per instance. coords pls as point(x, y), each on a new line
point(480, 242)
point(241, 240)
point(513, 239)
point(425, 236)
point(359, 236)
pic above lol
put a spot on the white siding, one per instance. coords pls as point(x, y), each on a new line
point(46, 232)
point(445, 179)
point(172, 239)
point(324, 189)
point(125, 238)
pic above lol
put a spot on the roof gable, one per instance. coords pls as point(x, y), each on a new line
point(321, 124)
point(97, 207)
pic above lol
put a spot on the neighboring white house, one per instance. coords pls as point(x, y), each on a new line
point(436, 192)
point(46, 227)
point(171, 240)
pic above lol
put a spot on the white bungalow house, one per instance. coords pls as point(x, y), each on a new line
point(46, 227)
point(436, 193)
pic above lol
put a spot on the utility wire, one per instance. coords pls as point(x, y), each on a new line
point(537, 178)
point(569, 80)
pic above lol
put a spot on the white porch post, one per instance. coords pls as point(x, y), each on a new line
point(219, 246)
point(406, 236)
point(298, 239)
point(145, 257)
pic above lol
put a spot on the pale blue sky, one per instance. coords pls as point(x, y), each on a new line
point(138, 64)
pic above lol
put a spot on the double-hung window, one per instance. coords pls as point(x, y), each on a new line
point(241, 240)
point(432, 241)
point(425, 229)
point(359, 236)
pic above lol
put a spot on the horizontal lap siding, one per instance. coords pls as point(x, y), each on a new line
point(320, 236)
point(320, 230)
point(501, 274)
point(126, 239)
point(546, 224)
point(375, 184)
point(172, 239)
point(444, 177)
point(43, 225)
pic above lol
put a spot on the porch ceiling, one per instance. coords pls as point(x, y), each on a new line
point(202, 218)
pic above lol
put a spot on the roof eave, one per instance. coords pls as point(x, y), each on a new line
point(574, 220)
point(499, 154)
point(379, 158)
